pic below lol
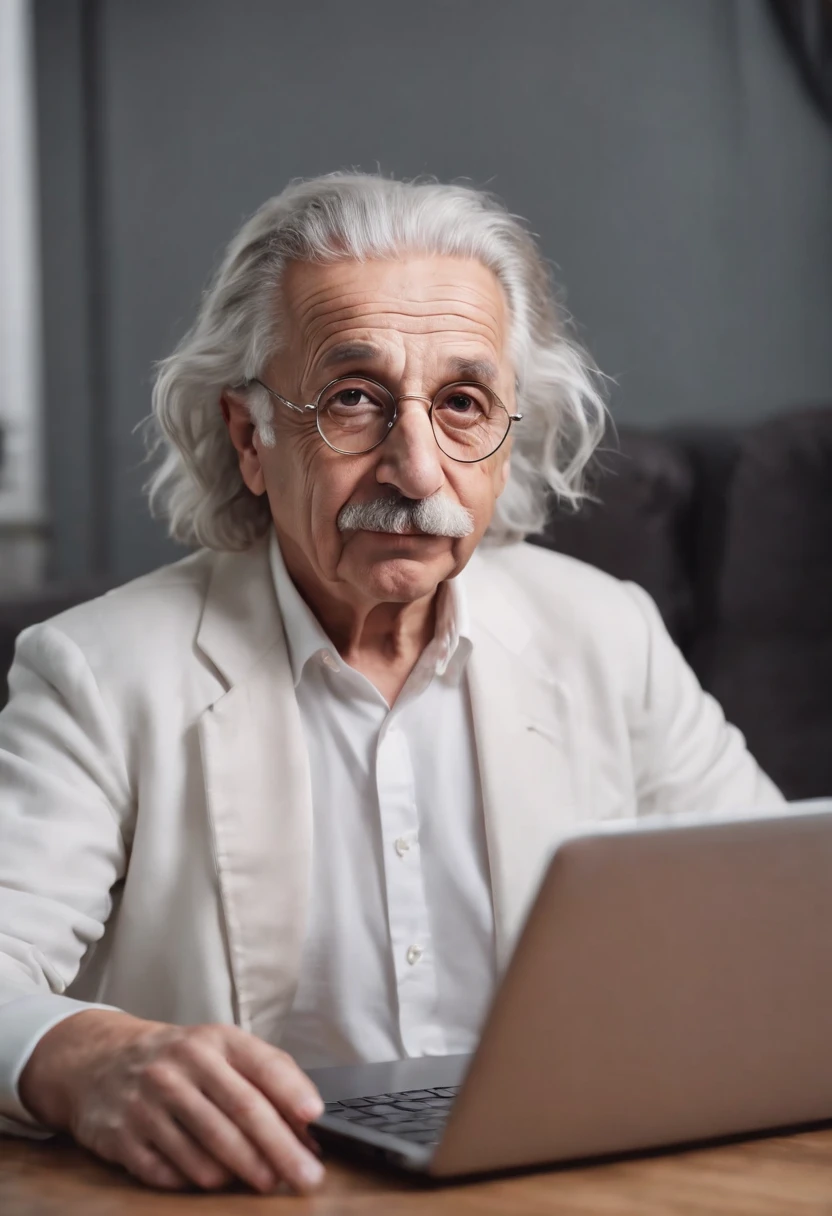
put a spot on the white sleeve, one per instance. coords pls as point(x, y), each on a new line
point(23, 1023)
point(688, 759)
point(64, 802)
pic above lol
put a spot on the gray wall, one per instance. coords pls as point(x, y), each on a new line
point(663, 150)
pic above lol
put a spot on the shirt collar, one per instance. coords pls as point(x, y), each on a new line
point(452, 638)
point(305, 636)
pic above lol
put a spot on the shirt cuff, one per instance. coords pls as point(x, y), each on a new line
point(23, 1023)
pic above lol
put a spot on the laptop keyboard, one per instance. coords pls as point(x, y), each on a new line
point(417, 1114)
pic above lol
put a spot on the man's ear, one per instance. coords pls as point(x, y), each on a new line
point(242, 433)
point(502, 476)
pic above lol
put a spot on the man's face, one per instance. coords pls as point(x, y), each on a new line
point(415, 319)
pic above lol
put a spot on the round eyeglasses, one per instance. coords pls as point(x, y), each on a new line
point(354, 415)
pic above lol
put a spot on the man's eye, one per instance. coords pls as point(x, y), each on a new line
point(459, 402)
point(351, 396)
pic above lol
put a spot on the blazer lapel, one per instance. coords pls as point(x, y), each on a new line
point(530, 759)
point(258, 789)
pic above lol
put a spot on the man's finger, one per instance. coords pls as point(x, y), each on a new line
point(147, 1164)
point(220, 1136)
point(183, 1152)
point(283, 1082)
point(255, 1118)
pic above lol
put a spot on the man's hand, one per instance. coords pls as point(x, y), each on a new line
point(176, 1106)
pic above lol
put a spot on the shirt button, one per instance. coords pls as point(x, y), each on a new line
point(402, 846)
point(414, 953)
point(328, 661)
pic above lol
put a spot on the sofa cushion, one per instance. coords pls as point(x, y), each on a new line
point(768, 655)
point(639, 525)
point(712, 453)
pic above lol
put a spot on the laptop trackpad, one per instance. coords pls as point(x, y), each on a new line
point(390, 1077)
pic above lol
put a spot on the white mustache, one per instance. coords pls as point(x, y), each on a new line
point(434, 516)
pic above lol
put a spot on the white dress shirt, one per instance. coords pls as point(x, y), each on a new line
point(398, 958)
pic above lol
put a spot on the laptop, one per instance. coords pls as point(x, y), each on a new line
point(672, 983)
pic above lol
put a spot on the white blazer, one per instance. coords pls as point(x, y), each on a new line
point(155, 801)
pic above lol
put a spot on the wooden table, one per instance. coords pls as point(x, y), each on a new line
point(782, 1175)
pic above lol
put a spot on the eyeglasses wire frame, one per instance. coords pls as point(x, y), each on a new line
point(315, 407)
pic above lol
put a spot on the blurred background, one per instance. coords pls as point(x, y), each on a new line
point(674, 157)
point(668, 153)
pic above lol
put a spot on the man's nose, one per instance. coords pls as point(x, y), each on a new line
point(410, 457)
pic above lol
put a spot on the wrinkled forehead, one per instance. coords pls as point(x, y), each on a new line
point(432, 300)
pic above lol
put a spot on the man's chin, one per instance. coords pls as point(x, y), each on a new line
point(405, 569)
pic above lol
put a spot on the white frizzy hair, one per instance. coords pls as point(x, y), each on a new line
point(197, 484)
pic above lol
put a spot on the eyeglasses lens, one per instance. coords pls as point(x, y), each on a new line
point(355, 415)
point(469, 422)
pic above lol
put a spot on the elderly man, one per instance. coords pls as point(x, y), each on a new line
point(284, 803)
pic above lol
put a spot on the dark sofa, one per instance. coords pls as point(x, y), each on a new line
point(731, 533)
